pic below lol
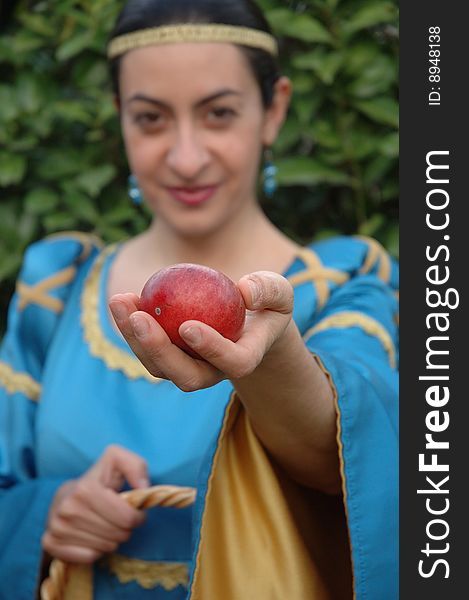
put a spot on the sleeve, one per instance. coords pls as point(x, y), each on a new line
point(355, 337)
point(45, 279)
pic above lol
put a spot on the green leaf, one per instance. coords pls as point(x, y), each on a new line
point(377, 169)
point(82, 207)
point(8, 106)
point(61, 163)
point(302, 83)
point(382, 110)
point(73, 111)
point(325, 133)
point(29, 93)
point(290, 134)
point(24, 42)
point(59, 222)
point(40, 24)
point(371, 14)
point(389, 145)
point(41, 201)
point(298, 26)
point(9, 264)
point(359, 143)
point(119, 214)
point(375, 78)
point(74, 45)
point(93, 180)
point(391, 239)
point(324, 64)
point(371, 225)
point(12, 168)
point(307, 171)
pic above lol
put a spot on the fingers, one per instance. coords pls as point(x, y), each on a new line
point(89, 522)
point(70, 553)
point(88, 517)
point(267, 290)
point(117, 464)
point(269, 299)
point(155, 350)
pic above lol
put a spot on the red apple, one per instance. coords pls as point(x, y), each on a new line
point(187, 291)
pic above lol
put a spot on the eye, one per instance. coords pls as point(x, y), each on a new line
point(221, 114)
point(148, 119)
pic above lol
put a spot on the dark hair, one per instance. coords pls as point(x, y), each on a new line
point(142, 14)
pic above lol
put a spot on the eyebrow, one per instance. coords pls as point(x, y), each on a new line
point(198, 104)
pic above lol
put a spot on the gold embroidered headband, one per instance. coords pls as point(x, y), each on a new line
point(170, 34)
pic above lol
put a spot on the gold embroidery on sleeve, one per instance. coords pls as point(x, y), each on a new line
point(317, 274)
point(148, 575)
point(14, 382)
point(37, 293)
point(356, 319)
point(87, 240)
point(100, 347)
point(376, 252)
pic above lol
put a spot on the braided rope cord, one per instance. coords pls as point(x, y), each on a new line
point(74, 582)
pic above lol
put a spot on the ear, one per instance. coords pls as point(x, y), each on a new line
point(276, 113)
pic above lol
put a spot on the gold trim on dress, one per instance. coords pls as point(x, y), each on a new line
point(148, 575)
point(14, 382)
point(193, 32)
point(347, 319)
point(318, 275)
point(376, 252)
point(100, 347)
point(87, 240)
point(340, 448)
point(37, 293)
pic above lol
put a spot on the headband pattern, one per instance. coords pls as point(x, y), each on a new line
point(170, 34)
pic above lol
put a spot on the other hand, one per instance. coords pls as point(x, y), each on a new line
point(87, 517)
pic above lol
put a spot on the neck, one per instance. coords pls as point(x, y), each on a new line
point(244, 242)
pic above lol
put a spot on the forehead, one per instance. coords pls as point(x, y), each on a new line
point(189, 68)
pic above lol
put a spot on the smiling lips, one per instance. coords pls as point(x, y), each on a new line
point(192, 196)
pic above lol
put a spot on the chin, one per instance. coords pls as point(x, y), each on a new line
point(195, 231)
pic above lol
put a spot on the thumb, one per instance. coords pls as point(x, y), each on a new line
point(117, 465)
point(267, 290)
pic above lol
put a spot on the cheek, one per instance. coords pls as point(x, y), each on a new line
point(142, 154)
point(243, 150)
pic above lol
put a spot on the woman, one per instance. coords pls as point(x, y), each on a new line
point(276, 432)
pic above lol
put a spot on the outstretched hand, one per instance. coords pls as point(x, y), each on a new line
point(269, 302)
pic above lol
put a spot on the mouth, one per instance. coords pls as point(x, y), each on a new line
point(192, 196)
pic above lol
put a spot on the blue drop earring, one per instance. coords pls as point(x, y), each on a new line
point(134, 191)
point(269, 173)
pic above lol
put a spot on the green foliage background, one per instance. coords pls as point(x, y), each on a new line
point(62, 164)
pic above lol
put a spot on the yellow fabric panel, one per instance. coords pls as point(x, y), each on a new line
point(264, 536)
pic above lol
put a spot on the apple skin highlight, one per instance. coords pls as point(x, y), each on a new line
point(187, 291)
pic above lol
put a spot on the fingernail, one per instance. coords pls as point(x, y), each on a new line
point(143, 483)
point(139, 326)
point(193, 335)
point(119, 311)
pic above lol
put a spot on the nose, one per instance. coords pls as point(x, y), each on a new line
point(188, 155)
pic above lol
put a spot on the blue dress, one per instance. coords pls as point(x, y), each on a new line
point(70, 386)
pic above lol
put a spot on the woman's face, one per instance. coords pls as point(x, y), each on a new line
point(194, 127)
